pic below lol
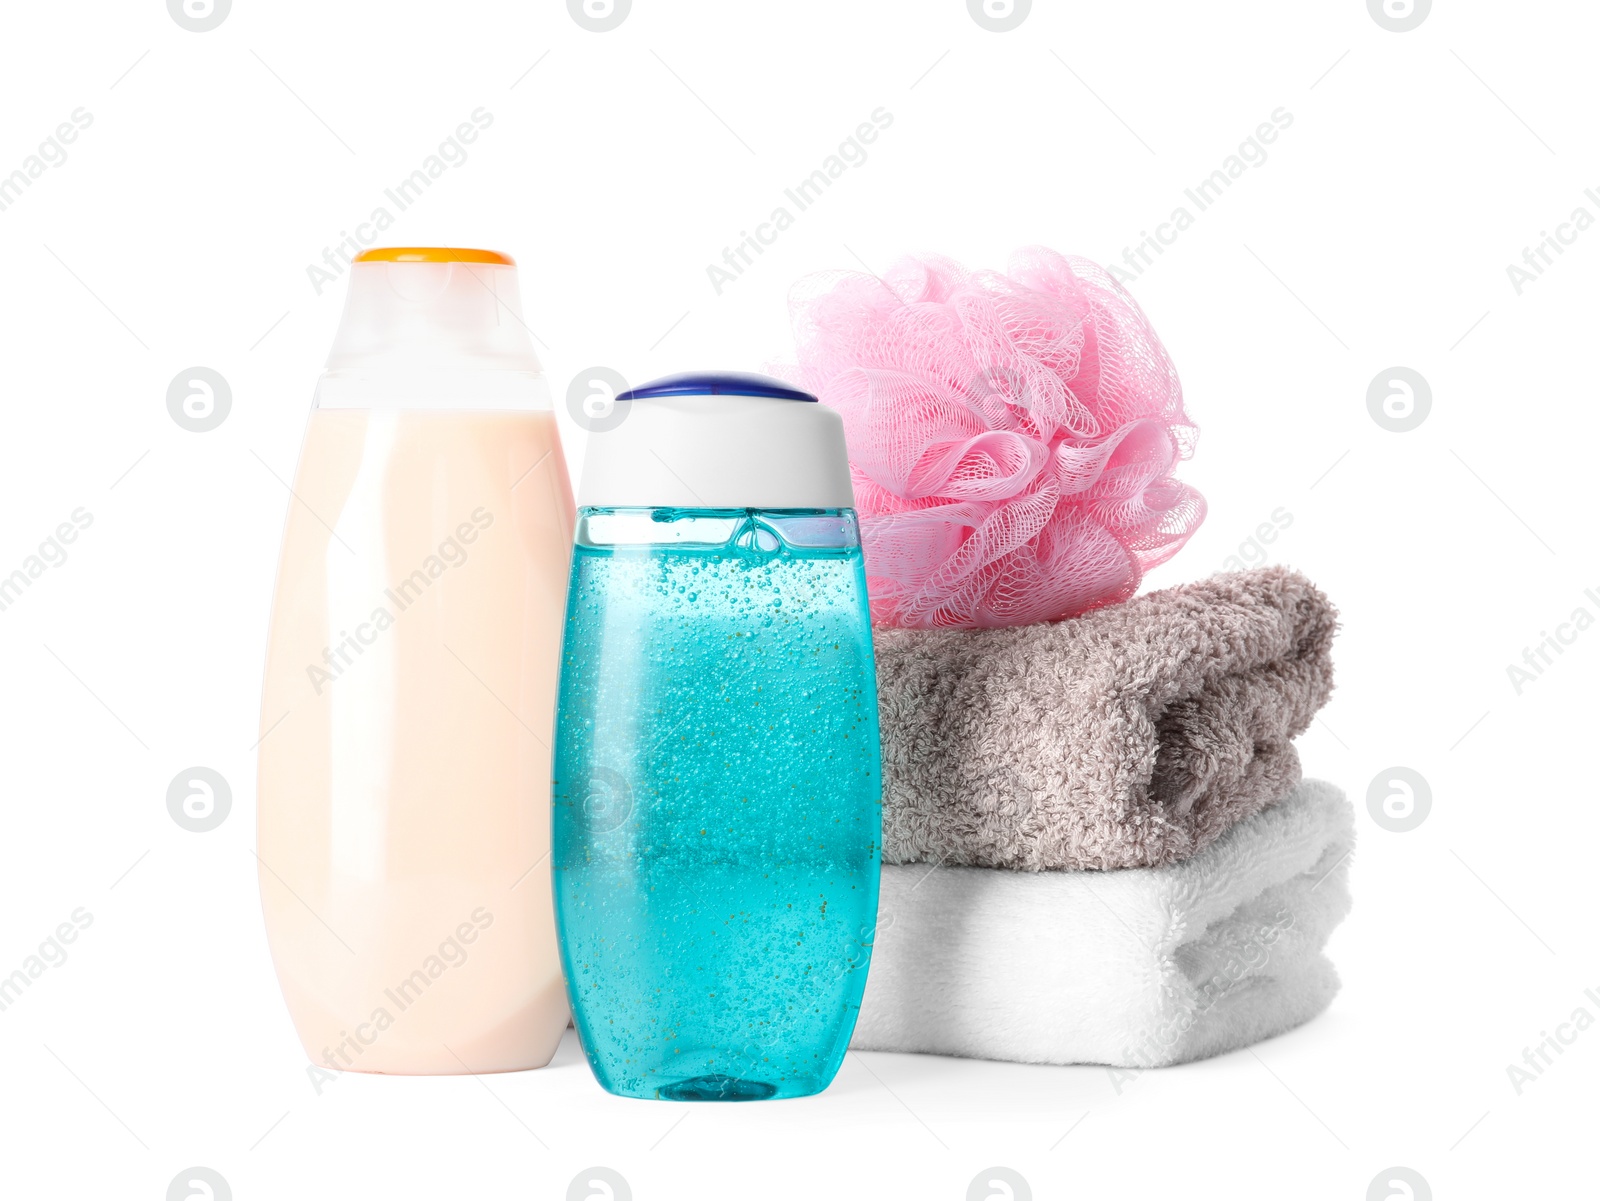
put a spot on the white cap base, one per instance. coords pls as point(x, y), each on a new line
point(718, 452)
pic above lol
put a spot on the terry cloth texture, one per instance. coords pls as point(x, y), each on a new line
point(1132, 736)
point(1138, 968)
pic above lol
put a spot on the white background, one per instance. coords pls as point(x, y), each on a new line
point(619, 164)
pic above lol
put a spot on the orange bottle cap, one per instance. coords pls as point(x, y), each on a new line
point(433, 254)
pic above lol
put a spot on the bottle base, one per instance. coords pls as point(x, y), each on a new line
point(527, 1040)
point(428, 1065)
point(718, 1088)
point(711, 1087)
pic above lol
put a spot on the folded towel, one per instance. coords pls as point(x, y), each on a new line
point(1137, 968)
point(1129, 737)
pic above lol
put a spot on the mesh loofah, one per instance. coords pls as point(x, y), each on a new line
point(1012, 436)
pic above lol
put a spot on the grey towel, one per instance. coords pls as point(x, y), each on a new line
point(1132, 736)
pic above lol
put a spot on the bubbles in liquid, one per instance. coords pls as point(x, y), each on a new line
point(713, 939)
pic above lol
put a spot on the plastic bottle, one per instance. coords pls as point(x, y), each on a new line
point(404, 759)
point(717, 784)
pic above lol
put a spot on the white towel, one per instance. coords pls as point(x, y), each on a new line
point(1137, 968)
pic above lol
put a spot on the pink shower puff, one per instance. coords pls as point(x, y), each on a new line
point(1012, 437)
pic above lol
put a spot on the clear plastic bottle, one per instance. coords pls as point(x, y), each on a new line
point(404, 760)
point(717, 786)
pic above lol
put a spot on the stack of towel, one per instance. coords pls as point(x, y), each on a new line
point(1097, 844)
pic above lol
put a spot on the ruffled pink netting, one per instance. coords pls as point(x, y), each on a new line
point(1012, 436)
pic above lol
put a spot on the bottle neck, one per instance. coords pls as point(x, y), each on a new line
point(433, 335)
point(457, 315)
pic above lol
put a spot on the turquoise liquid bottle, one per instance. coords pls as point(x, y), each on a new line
point(717, 785)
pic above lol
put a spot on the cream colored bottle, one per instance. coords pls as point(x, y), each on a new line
point(404, 761)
